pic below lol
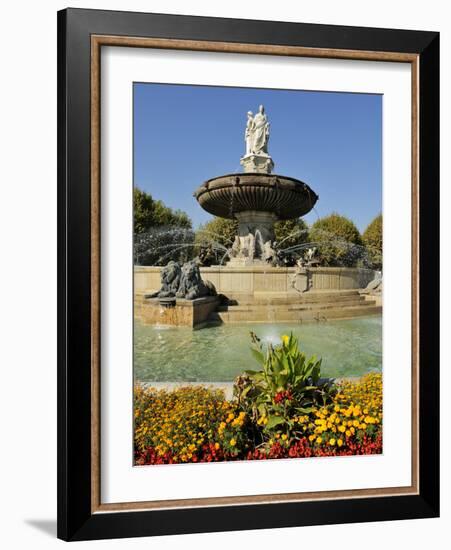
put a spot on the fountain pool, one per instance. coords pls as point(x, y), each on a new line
point(349, 348)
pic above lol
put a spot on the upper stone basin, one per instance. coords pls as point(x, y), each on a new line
point(227, 195)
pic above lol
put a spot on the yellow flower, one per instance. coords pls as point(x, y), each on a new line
point(181, 420)
point(332, 441)
point(285, 339)
point(233, 442)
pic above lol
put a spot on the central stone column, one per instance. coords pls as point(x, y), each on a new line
point(254, 239)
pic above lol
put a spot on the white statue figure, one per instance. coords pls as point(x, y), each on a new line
point(256, 137)
point(249, 133)
point(247, 246)
point(236, 247)
point(260, 132)
point(310, 254)
point(268, 252)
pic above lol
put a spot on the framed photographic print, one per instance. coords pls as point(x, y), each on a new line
point(248, 274)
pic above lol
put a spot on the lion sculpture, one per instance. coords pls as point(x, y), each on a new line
point(170, 281)
point(191, 284)
point(183, 282)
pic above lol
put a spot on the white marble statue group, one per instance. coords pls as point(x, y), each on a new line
point(257, 133)
point(250, 247)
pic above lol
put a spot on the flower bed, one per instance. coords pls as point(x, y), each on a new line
point(197, 424)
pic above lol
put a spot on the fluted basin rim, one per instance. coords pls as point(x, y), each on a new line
point(226, 195)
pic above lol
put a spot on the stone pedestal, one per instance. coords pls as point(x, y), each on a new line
point(179, 312)
point(260, 163)
point(261, 224)
point(253, 242)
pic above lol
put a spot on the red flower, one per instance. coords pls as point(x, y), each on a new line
point(283, 395)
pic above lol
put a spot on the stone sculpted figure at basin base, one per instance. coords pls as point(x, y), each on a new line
point(374, 287)
point(191, 284)
point(183, 282)
point(170, 281)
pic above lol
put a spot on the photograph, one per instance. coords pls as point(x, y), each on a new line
point(248, 273)
point(257, 274)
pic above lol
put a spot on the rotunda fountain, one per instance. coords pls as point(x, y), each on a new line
point(254, 285)
point(256, 198)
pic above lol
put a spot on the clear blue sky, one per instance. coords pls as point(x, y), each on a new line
point(184, 135)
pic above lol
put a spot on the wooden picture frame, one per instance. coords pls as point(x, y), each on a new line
point(81, 35)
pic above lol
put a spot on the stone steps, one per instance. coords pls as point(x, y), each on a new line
point(294, 302)
point(296, 307)
point(282, 307)
point(274, 315)
point(279, 307)
point(284, 298)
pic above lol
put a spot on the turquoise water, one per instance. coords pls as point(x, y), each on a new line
point(350, 347)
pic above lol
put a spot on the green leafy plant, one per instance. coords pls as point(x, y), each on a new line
point(288, 386)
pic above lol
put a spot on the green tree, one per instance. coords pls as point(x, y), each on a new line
point(220, 230)
point(163, 216)
point(291, 233)
point(372, 239)
point(143, 206)
point(338, 241)
point(148, 213)
point(161, 233)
